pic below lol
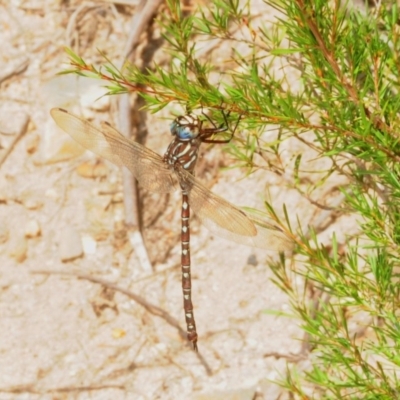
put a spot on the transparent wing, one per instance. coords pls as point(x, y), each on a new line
point(147, 166)
point(230, 222)
point(217, 214)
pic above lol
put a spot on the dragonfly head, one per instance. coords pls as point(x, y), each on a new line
point(186, 127)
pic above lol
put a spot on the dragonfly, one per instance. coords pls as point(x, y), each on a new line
point(175, 171)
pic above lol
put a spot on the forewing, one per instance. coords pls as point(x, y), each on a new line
point(147, 166)
point(230, 222)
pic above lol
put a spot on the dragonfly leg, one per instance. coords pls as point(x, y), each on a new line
point(186, 277)
point(208, 132)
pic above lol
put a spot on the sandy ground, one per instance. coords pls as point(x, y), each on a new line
point(62, 337)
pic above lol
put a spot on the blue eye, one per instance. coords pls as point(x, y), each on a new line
point(183, 132)
point(185, 127)
point(172, 127)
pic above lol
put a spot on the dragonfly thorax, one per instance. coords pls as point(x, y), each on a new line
point(183, 153)
point(186, 127)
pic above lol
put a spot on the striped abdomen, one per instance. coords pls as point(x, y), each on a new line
point(183, 154)
point(186, 277)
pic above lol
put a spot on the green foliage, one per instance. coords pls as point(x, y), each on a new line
point(348, 97)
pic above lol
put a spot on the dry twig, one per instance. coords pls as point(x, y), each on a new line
point(14, 70)
point(140, 21)
point(30, 388)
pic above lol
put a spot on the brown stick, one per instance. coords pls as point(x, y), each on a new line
point(14, 70)
point(140, 21)
point(30, 388)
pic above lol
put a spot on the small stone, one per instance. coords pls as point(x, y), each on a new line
point(100, 234)
point(252, 260)
point(118, 197)
point(118, 333)
point(18, 247)
point(4, 233)
point(107, 188)
point(119, 226)
point(89, 244)
point(32, 144)
point(90, 170)
point(3, 197)
point(31, 200)
point(33, 204)
point(32, 229)
point(51, 194)
point(70, 244)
